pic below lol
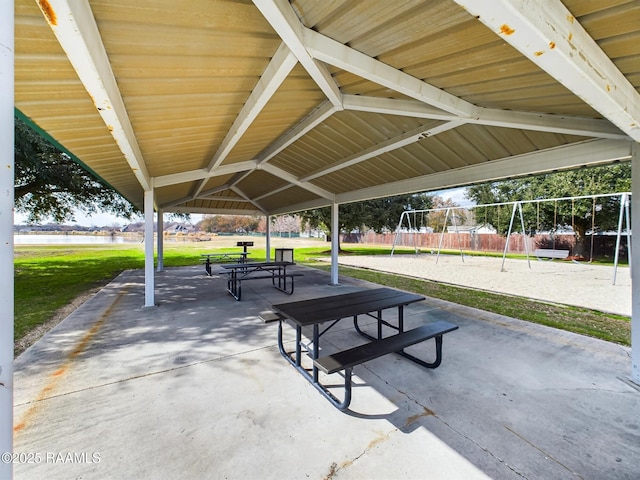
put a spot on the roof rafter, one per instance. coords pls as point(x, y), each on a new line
point(549, 35)
point(191, 175)
point(394, 143)
point(285, 22)
point(339, 55)
point(276, 72)
point(239, 192)
point(75, 28)
point(315, 118)
point(287, 177)
point(576, 155)
point(588, 127)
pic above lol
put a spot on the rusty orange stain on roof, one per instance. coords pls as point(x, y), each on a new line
point(48, 11)
point(506, 29)
point(552, 45)
point(538, 53)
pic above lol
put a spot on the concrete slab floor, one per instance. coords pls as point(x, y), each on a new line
point(196, 388)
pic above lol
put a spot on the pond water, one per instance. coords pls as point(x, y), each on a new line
point(44, 239)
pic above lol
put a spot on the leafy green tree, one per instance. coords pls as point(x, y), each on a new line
point(378, 214)
point(229, 223)
point(48, 183)
point(580, 214)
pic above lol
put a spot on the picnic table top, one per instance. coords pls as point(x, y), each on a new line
point(256, 265)
point(333, 307)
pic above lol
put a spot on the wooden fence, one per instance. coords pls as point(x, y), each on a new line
point(603, 245)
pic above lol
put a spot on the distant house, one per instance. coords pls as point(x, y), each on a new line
point(179, 229)
point(485, 228)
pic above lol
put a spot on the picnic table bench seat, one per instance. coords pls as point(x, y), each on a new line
point(347, 359)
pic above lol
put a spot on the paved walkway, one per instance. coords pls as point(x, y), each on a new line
point(196, 388)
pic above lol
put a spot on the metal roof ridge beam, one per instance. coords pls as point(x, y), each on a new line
point(565, 157)
point(394, 106)
point(276, 72)
point(287, 177)
point(287, 25)
point(203, 173)
point(339, 55)
point(541, 122)
point(548, 34)
point(77, 32)
point(394, 143)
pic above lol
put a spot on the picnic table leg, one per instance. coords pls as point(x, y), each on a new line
point(207, 266)
point(434, 364)
point(314, 353)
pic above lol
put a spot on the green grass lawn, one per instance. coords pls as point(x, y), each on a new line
point(49, 277)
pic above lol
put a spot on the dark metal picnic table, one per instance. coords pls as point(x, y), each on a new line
point(209, 258)
point(316, 311)
point(276, 271)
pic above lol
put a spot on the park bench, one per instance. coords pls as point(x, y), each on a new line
point(549, 253)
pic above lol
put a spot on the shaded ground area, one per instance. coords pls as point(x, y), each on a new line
point(196, 388)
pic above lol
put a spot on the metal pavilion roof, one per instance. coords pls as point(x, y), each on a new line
point(276, 106)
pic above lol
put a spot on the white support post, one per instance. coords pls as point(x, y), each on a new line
point(635, 265)
point(149, 300)
point(6, 233)
point(268, 238)
point(160, 266)
point(335, 243)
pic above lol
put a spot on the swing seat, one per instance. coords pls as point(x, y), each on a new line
point(550, 254)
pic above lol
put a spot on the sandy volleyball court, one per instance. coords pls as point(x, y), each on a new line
point(564, 282)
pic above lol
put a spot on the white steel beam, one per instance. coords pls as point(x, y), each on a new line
point(635, 267)
point(7, 182)
point(589, 152)
point(392, 144)
point(541, 122)
point(567, 125)
point(335, 242)
point(287, 177)
point(74, 26)
point(394, 106)
point(273, 192)
point(276, 72)
point(287, 25)
point(548, 34)
point(341, 56)
point(307, 124)
point(239, 192)
point(200, 174)
point(149, 279)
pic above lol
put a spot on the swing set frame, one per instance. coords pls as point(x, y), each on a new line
point(624, 216)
